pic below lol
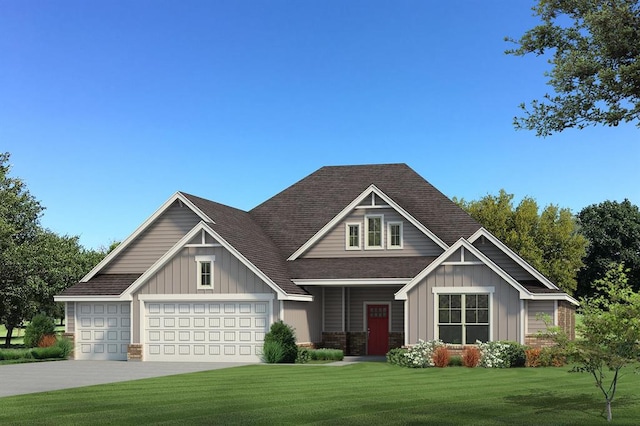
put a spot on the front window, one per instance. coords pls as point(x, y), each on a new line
point(463, 318)
point(395, 235)
point(374, 231)
point(205, 271)
point(353, 236)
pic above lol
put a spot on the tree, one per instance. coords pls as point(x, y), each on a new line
point(595, 70)
point(19, 224)
point(613, 231)
point(549, 241)
point(610, 333)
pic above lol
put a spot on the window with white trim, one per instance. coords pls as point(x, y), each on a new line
point(394, 235)
point(352, 236)
point(204, 271)
point(463, 318)
point(373, 231)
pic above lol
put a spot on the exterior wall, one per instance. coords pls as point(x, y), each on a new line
point(306, 317)
point(505, 315)
point(358, 296)
point(567, 318)
point(155, 241)
point(415, 243)
point(535, 307)
point(333, 309)
point(502, 260)
point(70, 317)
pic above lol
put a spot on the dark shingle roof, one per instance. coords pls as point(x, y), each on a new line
point(102, 285)
point(244, 234)
point(294, 215)
point(534, 286)
point(358, 267)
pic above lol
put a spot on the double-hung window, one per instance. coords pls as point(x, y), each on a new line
point(373, 231)
point(394, 235)
point(463, 318)
point(353, 236)
point(204, 271)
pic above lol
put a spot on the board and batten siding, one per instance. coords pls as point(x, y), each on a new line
point(502, 260)
point(179, 275)
point(306, 317)
point(535, 307)
point(505, 317)
point(154, 242)
point(333, 244)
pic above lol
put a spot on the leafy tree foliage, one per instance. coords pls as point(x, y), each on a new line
point(283, 335)
point(549, 241)
point(35, 263)
point(613, 231)
point(595, 70)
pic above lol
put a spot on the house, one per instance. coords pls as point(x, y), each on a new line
point(362, 258)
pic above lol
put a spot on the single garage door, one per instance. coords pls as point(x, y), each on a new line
point(102, 330)
point(205, 331)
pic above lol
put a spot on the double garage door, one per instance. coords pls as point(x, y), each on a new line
point(103, 331)
point(205, 331)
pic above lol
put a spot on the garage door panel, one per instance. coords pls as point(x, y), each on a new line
point(213, 331)
point(103, 331)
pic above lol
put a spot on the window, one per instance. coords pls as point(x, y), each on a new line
point(394, 235)
point(463, 318)
point(373, 230)
point(353, 236)
point(205, 271)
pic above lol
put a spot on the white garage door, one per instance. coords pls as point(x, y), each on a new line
point(205, 331)
point(102, 331)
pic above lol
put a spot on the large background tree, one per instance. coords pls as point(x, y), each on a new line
point(549, 240)
point(595, 64)
point(613, 231)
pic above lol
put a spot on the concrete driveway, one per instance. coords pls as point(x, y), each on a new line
point(17, 379)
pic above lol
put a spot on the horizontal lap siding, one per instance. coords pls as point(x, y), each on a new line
point(154, 242)
point(535, 307)
point(506, 300)
point(179, 276)
point(415, 243)
point(70, 317)
point(357, 298)
point(306, 317)
point(332, 308)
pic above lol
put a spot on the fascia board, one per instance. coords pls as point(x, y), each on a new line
point(119, 298)
point(178, 196)
point(524, 293)
point(483, 232)
point(351, 206)
point(352, 282)
point(554, 296)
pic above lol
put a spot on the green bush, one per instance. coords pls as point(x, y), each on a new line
point(285, 335)
point(326, 354)
point(502, 354)
point(272, 352)
point(398, 356)
point(11, 354)
point(303, 356)
point(455, 361)
point(47, 353)
point(38, 327)
point(514, 354)
point(66, 346)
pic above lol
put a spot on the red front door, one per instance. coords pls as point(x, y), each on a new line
point(377, 329)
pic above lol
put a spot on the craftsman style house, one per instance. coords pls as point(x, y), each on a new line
point(363, 258)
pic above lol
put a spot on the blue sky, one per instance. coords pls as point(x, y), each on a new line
point(109, 107)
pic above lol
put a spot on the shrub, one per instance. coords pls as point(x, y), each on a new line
point(326, 354)
point(471, 356)
point(272, 352)
point(303, 356)
point(10, 354)
point(501, 354)
point(398, 356)
point(285, 335)
point(38, 327)
point(47, 340)
point(47, 353)
point(532, 357)
point(421, 354)
point(455, 361)
point(66, 346)
point(545, 357)
point(441, 356)
point(514, 354)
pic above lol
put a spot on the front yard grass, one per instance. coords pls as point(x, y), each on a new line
point(365, 393)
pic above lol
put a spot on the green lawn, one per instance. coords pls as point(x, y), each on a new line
point(366, 393)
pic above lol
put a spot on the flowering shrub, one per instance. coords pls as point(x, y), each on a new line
point(397, 356)
point(501, 354)
point(421, 354)
point(441, 356)
point(471, 356)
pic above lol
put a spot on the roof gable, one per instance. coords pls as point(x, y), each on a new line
point(297, 214)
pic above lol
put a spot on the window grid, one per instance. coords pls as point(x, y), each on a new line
point(463, 318)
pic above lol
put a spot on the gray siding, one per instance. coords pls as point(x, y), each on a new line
point(155, 241)
point(505, 318)
point(535, 307)
point(332, 305)
point(358, 296)
point(306, 317)
point(502, 260)
point(415, 243)
point(70, 317)
point(179, 275)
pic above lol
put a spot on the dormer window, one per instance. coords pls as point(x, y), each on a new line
point(205, 271)
point(394, 235)
point(373, 231)
point(353, 236)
